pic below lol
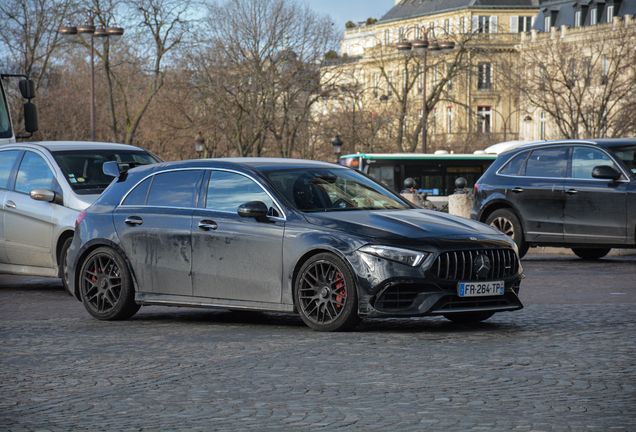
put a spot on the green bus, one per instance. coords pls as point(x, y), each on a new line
point(434, 174)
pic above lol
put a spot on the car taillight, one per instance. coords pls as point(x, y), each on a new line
point(476, 188)
point(80, 218)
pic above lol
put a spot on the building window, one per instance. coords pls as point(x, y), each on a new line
point(604, 69)
point(420, 80)
point(593, 16)
point(610, 14)
point(387, 37)
point(434, 121)
point(463, 24)
point(543, 76)
point(449, 120)
point(390, 82)
point(435, 77)
point(542, 125)
point(484, 114)
point(447, 29)
point(376, 85)
point(577, 18)
point(402, 34)
point(547, 23)
point(418, 32)
point(484, 76)
point(484, 24)
point(525, 24)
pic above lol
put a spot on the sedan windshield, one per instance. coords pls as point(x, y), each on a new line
point(83, 168)
point(321, 190)
point(626, 154)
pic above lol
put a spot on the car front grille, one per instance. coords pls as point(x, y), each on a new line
point(461, 265)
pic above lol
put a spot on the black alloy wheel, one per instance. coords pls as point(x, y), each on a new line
point(507, 222)
point(106, 286)
point(326, 295)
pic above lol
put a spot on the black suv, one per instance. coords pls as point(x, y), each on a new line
point(573, 193)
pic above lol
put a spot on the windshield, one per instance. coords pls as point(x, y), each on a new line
point(322, 190)
point(5, 122)
point(626, 154)
point(83, 168)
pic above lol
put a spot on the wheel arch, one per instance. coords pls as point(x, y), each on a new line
point(498, 205)
point(65, 235)
point(311, 253)
point(90, 247)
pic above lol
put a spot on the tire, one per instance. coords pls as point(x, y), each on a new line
point(106, 286)
point(468, 317)
point(591, 253)
point(326, 295)
point(508, 223)
point(63, 264)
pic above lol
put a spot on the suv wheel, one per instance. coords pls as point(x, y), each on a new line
point(508, 223)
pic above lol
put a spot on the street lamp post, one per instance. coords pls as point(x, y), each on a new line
point(199, 144)
point(337, 147)
point(423, 46)
point(88, 31)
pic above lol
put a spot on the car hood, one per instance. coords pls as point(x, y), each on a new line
point(402, 224)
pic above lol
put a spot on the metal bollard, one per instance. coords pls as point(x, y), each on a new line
point(459, 203)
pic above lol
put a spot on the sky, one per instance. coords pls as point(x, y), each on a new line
point(342, 11)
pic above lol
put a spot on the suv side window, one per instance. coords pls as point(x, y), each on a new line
point(174, 189)
point(584, 159)
point(547, 162)
point(513, 167)
point(138, 195)
point(228, 190)
point(34, 173)
point(7, 160)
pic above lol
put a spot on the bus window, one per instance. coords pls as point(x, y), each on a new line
point(427, 178)
point(471, 174)
point(384, 174)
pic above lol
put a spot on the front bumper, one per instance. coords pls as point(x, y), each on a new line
point(392, 289)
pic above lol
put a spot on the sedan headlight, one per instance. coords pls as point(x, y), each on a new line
point(404, 256)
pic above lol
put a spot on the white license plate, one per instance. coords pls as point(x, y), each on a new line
point(478, 289)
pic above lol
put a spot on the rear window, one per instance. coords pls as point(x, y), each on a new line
point(83, 168)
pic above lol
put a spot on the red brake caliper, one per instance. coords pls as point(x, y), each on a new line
point(340, 290)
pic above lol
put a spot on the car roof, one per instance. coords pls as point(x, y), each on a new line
point(73, 145)
point(251, 163)
point(603, 142)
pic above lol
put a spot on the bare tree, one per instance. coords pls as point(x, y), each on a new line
point(260, 67)
point(586, 85)
point(28, 33)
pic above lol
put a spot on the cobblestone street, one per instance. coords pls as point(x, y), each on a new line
point(565, 362)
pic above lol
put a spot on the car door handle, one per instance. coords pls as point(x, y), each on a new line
point(207, 225)
point(571, 191)
point(133, 220)
point(517, 190)
point(11, 204)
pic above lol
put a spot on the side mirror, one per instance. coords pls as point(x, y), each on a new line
point(27, 88)
point(46, 195)
point(30, 117)
point(111, 168)
point(606, 172)
point(253, 209)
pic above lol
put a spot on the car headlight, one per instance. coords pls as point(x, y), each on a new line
point(404, 256)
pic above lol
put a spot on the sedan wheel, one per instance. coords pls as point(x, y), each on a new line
point(326, 295)
point(591, 253)
point(508, 223)
point(106, 286)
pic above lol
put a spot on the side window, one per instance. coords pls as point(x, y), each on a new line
point(7, 160)
point(584, 159)
point(174, 189)
point(548, 162)
point(138, 195)
point(34, 173)
point(228, 190)
point(513, 166)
